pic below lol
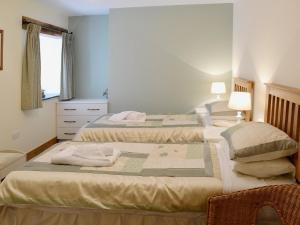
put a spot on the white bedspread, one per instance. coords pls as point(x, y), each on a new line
point(232, 181)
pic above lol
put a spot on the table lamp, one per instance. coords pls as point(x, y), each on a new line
point(218, 88)
point(240, 101)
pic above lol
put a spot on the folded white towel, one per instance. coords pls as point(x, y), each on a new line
point(79, 156)
point(128, 116)
point(133, 116)
point(93, 151)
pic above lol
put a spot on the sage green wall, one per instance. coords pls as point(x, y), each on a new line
point(91, 55)
point(163, 59)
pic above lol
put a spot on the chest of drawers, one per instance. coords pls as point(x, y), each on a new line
point(72, 115)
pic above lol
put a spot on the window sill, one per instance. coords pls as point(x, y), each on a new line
point(50, 96)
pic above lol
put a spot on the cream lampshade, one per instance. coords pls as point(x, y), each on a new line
point(240, 101)
point(218, 88)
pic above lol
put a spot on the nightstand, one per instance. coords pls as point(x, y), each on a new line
point(72, 115)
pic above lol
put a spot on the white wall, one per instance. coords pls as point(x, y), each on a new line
point(38, 126)
point(163, 59)
point(267, 45)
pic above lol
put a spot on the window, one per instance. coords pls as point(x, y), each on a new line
point(51, 47)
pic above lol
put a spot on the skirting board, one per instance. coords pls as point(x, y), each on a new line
point(33, 153)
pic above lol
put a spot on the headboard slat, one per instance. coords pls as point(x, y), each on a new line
point(276, 112)
point(270, 104)
point(284, 116)
point(296, 123)
point(292, 120)
point(287, 103)
point(273, 110)
point(281, 104)
point(283, 111)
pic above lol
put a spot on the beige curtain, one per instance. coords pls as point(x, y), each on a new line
point(66, 86)
point(31, 74)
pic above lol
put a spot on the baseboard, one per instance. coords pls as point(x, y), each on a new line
point(33, 153)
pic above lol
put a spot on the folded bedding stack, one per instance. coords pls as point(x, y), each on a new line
point(128, 116)
point(260, 150)
point(92, 155)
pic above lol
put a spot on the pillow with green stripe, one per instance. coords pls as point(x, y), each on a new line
point(218, 108)
point(255, 141)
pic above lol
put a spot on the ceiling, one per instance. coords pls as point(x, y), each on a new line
point(96, 7)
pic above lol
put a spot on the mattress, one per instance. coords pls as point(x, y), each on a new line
point(40, 183)
point(56, 197)
point(156, 129)
point(91, 188)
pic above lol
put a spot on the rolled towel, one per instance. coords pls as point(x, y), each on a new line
point(128, 116)
point(73, 155)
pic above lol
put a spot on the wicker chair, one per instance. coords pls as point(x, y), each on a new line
point(241, 208)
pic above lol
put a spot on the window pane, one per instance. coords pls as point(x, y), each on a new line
point(51, 47)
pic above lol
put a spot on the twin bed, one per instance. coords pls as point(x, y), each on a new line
point(156, 129)
point(152, 183)
point(186, 128)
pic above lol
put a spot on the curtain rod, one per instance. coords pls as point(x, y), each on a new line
point(46, 27)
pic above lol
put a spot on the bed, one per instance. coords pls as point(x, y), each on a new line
point(53, 197)
point(87, 197)
point(156, 129)
point(187, 128)
point(55, 194)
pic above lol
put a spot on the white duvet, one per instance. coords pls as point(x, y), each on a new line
point(232, 181)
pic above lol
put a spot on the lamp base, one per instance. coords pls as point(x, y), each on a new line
point(239, 116)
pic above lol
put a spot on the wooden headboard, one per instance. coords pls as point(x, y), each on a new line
point(243, 85)
point(283, 111)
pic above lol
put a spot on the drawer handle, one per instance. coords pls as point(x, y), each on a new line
point(93, 109)
point(69, 121)
point(70, 109)
point(69, 133)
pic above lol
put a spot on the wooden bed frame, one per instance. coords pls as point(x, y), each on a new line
point(283, 111)
point(243, 85)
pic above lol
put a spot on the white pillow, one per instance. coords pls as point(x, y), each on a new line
point(265, 169)
point(256, 141)
point(219, 108)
